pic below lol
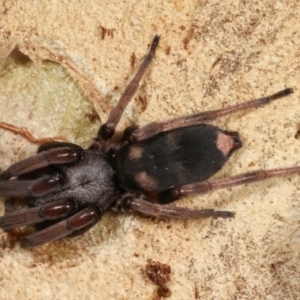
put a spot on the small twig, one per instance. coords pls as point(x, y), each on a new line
point(27, 135)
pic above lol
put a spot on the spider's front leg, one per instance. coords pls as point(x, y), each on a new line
point(50, 211)
point(49, 155)
point(76, 224)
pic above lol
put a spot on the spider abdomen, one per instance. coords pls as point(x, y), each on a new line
point(174, 158)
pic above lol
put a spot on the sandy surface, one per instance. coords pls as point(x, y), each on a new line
point(212, 54)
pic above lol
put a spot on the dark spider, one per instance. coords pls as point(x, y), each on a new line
point(149, 166)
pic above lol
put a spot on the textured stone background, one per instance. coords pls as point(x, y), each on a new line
point(212, 54)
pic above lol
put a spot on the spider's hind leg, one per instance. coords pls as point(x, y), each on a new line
point(155, 128)
point(204, 187)
point(141, 205)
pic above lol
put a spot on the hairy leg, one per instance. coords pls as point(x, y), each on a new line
point(204, 117)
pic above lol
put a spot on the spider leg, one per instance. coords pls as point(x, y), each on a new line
point(81, 220)
point(204, 117)
point(145, 207)
point(50, 157)
point(35, 188)
point(50, 211)
point(165, 211)
point(204, 187)
point(56, 144)
point(107, 130)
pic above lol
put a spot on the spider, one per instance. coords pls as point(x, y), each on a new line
point(68, 188)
